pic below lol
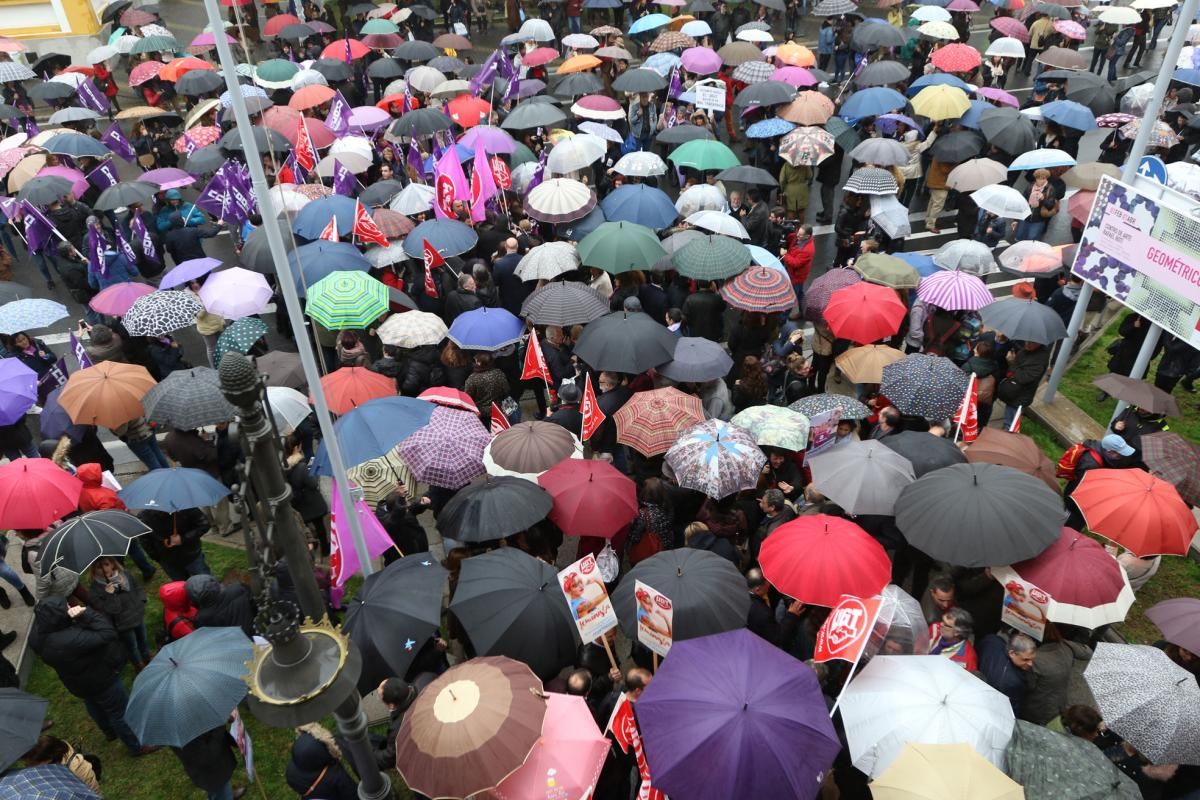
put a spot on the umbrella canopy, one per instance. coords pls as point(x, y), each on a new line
point(1168, 456)
point(448, 451)
point(697, 360)
point(885, 270)
point(547, 261)
point(819, 292)
point(36, 492)
point(21, 718)
point(239, 337)
point(1179, 621)
point(1138, 511)
point(863, 477)
point(528, 449)
point(350, 387)
point(716, 458)
point(487, 329)
point(412, 329)
point(1024, 320)
point(160, 313)
point(188, 399)
point(864, 312)
point(954, 291)
point(494, 508)
point(1087, 586)
point(1012, 516)
point(966, 255)
point(1050, 764)
point(899, 700)
point(819, 558)
point(1003, 201)
point(563, 303)
point(374, 428)
point(18, 390)
point(775, 739)
point(108, 394)
point(1148, 699)
point(865, 364)
point(347, 300)
point(620, 247)
point(629, 342)
point(236, 293)
point(571, 752)
point(644, 205)
point(116, 299)
point(471, 727)
point(703, 155)
point(943, 772)
point(651, 421)
point(1138, 393)
point(282, 369)
point(174, 489)
point(45, 782)
point(924, 385)
point(815, 404)
point(77, 543)
point(806, 146)
point(707, 592)
point(975, 174)
point(1016, 450)
point(763, 290)
point(591, 498)
point(773, 426)
point(924, 451)
point(30, 314)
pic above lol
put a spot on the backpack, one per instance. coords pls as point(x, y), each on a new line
point(1070, 461)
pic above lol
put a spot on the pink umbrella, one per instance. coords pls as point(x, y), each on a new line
point(701, 60)
point(207, 40)
point(998, 95)
point(145, 71)
point(382, 41)
point(566, 760)
point(284, 121)
point(200, 136)
point(597, 106)
point(235, 293)
point(1010, 26)
point(369, 118)
point(167, 178)
point(795, 76)
point(116, 299)
point(10, 158)
point(962, 5)
point(79, 184)
point(1070, 29)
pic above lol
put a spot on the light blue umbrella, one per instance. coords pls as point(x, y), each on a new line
point(764, 258)
point(872, 102)
point(45, 782)
point(30, 314)
point(313, 261)
point(313, 218)
point(76, 145)
point(373, 429)
point(190, 687)
point(648, 23)
point(923, 264)
point(486, 329)
point(970, 119)
point(769, 128)
point(642, 204)
point(936, 79)
point(1191, 76)
point(662, 63)
point(1070, 114)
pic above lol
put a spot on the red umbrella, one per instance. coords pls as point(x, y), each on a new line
point(864, 312)
point(1087, 585)
point(1138, 511)
point(450, 398)
point(468, 110)
point(318, 131)
point(591, 498)
point(35, 492)
point(311, 97)
point(540, 56)
point(337, 50)
point(350, 387)
point(278, 22)
point(818, 559)
point(956, 57)
point(182, 66)
point(1012, 27)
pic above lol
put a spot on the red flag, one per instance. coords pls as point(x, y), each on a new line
point(330, 232)
point(432, 259)
point(847, 630)
point(535, 363)
point(500, 173)
point(304, 146)
point(623, 727)
point(499, 421)
point(593, 417)
point(1016, 423)
point(967, 418)
point(365, 228)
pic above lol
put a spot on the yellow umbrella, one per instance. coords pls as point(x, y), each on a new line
point(943, 772)
point(941, 102)
point(678, 22)
point(939, 30)
point(865, 364)
point(578, 64)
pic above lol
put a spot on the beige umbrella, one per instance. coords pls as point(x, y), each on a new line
point(452, 88)
point(560, 200)
point(975, 174)
point(1063, 58)
point(412, 329)
point(197, 113)
point(1087, 176)
point(809, 108)
point(865, 364)
point(943, 772)
point(739, 53)
point(379, 477)
point(25, 170)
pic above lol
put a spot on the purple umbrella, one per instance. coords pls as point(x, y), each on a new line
point(55, 421)
point(18, 390)
point(820, 290)
point(889, 122)
point(79, 184)
point(116, 299)
point(494, 140)
point(795, 76)
point(167, 178)
point(529, 87)
point(448, 451)
point(189, 271)
point(701, 60)
point(208, 40)
point(729, 715)
point(369, 118)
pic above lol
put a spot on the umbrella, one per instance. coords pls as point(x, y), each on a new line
point(190, 686)
point(1145, 396)
point(288, 407)
point(1138, 511)
point(1087, 586)
point(640, 164)
point(30, 314)
point(966, 255)
point(924, 385)
point(374, 428)
point(1012, 516)
point(529, 115)
point(44, 190)
point(449, 237)
point(471, 727)
point(943, 772)
point(1178, 620)
point(707, 592)
point(77, 543)
point(412, 329)
point(343, 300)
point(1014, 450)
point(282, 369)
point(1003, 201)
point(1046, 158)
point(975, 174)
point(885, 270)
point(871, 103)
point(395, 612)
point(880, 152)
point(108, 394)
point(1148, 699)
point(570, 753)
point(924, 451)
point(816, 404)
point(696, 360)
point(711, 257)
point(494, 508)
point(817, 296)
point(954, 291)
point(161, 312)
point(448, 451)
point(630, 342)
point(1024, 320)
point(871, 181)
point(1167, 455)
point(21, 718)
point(36, 492)
point(488, 329)
point(239, 337)
point(236, 293)
point(1050, 764)
point(773, 426)
point(716, 458)
point(174, 489)
point(350, 387)
point(188, 399)
point(704, 154)
point(863, 477)
point(719, 223)
point(54, 421)
point(449, 398)
point(591, 498)
point(767, 705)
point(817, 559)
point(18, 390)
point(864, 312)
point(545, 262)
point(762, 290)
point(651, 421)
point(564, 303)
point(644, 205)
point(899, 700)
point(528, 449)
point(44, 782)
point(1069, 114)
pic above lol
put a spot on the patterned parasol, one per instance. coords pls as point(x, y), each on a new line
point(651, 421)
point(774, 426)
point(924, 386)
point(161, 313)
point(716, 458)
point(448, 451)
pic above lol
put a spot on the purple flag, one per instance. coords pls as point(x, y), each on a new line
point(414, 159)
point(676, 85)
point(9, 207)
point(538, 173)
point(141, 234)
point(512, 91)
point(91, 97)
point(55, 376)
point(115, 141)
point(239, 206)
point(298, 172)
point(486, 73)
point(407, 99)
point(38, 229)
point(31, 127)
point(338, 118)
point(214, 198)
point(189, 146)
point(504, 66)
point(96, 247)
point(349, 56)
point(103, 176)
point(344, 182)
point(124, 247)
point(438, 149)
point(80, 352)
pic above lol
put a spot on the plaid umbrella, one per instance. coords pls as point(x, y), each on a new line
point(954, 291)
point(393, 224)
point(753, 72)
point(816, 298)
point(1176, 461)
point(871, 180)
point(565, 303)
point(188, 399)
point(651, 421)
point(774, 426)
point(161, 313)
point(240, 336)
point(30, 314)
point(835, 8)
point(412, 329)
point(816, 404)
point(711, 258)
point(716, 458)
point(11, 71)
point(806, 146)
point(343, 300)
point(46, 781)
point(760, 289)
point(448, 451)
point(671, 40)
point(924, 386)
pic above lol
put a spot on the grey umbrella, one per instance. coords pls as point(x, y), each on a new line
point(1008, 130)
point(626, 342)
point(881, 73)
point(205, 160)
point(296, 32)
point(924, 451)
point(10, 291)
point(44, 190)
point(282, 369)
point(979, 515)
point(1024, 320)
point(21, 717)
point(708, 593)
point(256, 254)
point(683, 133)
point(77, 543)
point(754, 176)
point(1055, 766)
point(50, 91)
point(577, 84)
point(767, 93)
point(73, 114)
point(333, 69)
point(814, 404)
point(385, 69)
point(416, 50)
point(924, 385)
point(188, 399)
point(957, 147)
point(494, 508)
point(872, 37)
point(862, 477)
point(639, 80)
point(421, 122)
point(697, 360)
point(125, 194)
point(1092, 91)
point(380, 193)
point(527, 116)
point(564, 303)
point(882, 152)
point(198, 81)
point(264, 138)
point(510, 604)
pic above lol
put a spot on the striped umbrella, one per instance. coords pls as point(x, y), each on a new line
point(448, 451)
point(712, 258)
point(954, 291)
point(760, 289)
point(343, 300)
point(651, 421)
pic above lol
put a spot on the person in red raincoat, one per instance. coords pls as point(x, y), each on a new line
point(103, 78)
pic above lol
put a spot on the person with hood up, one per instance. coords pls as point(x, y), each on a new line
point(179, 615)
point(220, 606)
point(315, 769)
point(82, 646)
point(175, 204)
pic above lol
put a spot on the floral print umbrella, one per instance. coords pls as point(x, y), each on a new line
point(716, 458)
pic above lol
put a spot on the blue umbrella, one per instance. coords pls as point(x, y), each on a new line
point(923, 264)
point(174, 489)
point(44, 782)
point(18, 390)
point(1070, 114)
point(312, 262)
point(649, 23)
point(640, 203)
point(662, 63)
point(463, 153)
point(30, 314)
point(575, 231)
point(373, 429)
point(936, 79)
point(486, 329)
point(970, 119)
point(190, 687)
point(76, 145)
point(872, 102)
point(55, 422)
point(769, 128)
point(765, 258)
point(1191, 76)
point(313, 218)
point(448, 236)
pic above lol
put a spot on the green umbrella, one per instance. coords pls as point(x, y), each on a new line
point(704, 154)
point(843, 134)
point(1054, 765)
point(343, 300)
point(888, 271)
point(521, 155)
point(276, 71)
point(155, 44)
point(379, 26)
point(620, 247)
point(774, 426)
point(240, 336)
point(711, 258)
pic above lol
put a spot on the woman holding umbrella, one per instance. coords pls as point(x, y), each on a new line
point(33, 353)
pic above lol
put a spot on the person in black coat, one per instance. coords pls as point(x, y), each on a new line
point(82, 646)
point(1006, 665)
point(513, 290)
point(209, 762)
point(315, 770)
point(174, 541)
point(399, 519)
point(307, 499)
point(220, 606)
point(185, 243)
point(704, 313)
point(420, 369)
point(462, 299)
point(397, 694)
point(567, 414)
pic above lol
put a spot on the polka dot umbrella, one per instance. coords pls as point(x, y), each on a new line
point(240, 336)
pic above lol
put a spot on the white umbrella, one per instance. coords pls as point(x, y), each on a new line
point(1015, 254)
point(547, 261)
point(416, 198)
point(102, 53)
point(754, 35)
point(357, 145)
point(308, 77)
point(1003, 201)
point(522, 174)
point(925, 699)
point(288, 407)
point(558, 200)
point(355, 162)
point(891, 215)
point(287, 199)
point(931, 14)
point(424, 79)
point(640, 164)
point(1006, 46)
point(16, 140)
point(1120, 15)
point(412, 329)
point(1136, 99)
point(539, 29)
point(72, 79)
point(966, 255)
point(701, 197)
point(696, 29)
point(385, 256)
point(580, 41)
point(575, 154)
point(125, 43)
point(900, 621)
point(452, 89)
point(717, 222)
point(1184, 177)
point(599, 129)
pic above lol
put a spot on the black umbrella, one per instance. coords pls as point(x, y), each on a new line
point(639, 80)
point(767, 93)
point(564, 303)
point(706, 590)
point(683, 133)
point(924, 385)
point(332, 69)
point(297, 31)
point(380, 192)
point(49, 91)
point(44, 190)
point(527, 116)
point(924, 451)
point(78, 542)
point(979, 515)
point(394, 614)
point(755, 176)
point(265, 138)
point(416, 50)
point(494, 508)
point(423, 11)
point(198, 81)
point(21, 718)
point(1007, 129)
point(114, 10)
point(385, 69)
point(881, 73)
point(510, 604)
point(205, 160)
point(421, 122)
point(577, 84)
point(1023, 320)
point(626, 342)
point(956, 147)
point(1092, 91)
point(125, 194)
point(47, 64)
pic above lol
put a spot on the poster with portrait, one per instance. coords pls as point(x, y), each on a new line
point(822, 430)
point(591, 608)
point(1024, 604)
point(655, 618)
